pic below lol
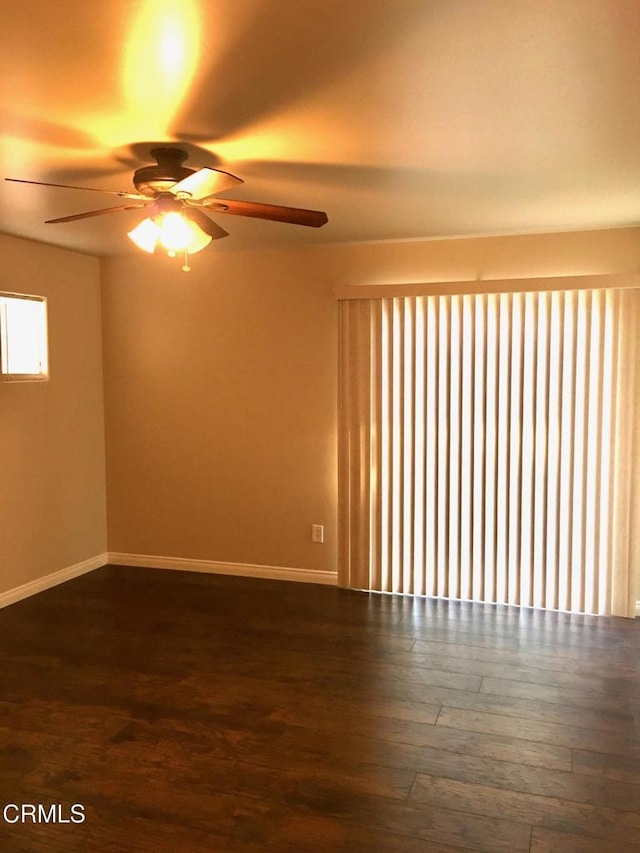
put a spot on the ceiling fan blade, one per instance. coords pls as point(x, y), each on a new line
point(70, 187)
point(275, 212)
point(207, 225)
point(89, 213)
point(205, 182)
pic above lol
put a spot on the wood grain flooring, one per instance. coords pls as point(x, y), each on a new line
point(191, 713)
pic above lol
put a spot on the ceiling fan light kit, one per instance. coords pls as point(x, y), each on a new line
point(171, 228)
point(176, 197)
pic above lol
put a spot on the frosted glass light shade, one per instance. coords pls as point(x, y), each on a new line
point(199, 239)
point(172, 231)
point(145, 235)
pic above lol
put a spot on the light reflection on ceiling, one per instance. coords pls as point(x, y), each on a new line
point(403, 120)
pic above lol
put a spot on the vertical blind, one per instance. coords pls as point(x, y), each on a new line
point(487, 447)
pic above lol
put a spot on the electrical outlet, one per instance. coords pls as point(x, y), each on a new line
point(317, 533)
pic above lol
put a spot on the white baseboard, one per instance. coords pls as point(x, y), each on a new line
point(638, 609)
point(55, 578)
point(248, 570)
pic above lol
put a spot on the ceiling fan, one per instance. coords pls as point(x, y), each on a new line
point(175, 197)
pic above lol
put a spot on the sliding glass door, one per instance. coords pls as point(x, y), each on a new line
point(487, 447)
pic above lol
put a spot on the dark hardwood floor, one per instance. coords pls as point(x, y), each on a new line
point(191, 713)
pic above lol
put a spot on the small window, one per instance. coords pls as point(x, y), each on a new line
point(23, 338)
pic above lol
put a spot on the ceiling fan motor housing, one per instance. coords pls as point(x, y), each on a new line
point(151, 180)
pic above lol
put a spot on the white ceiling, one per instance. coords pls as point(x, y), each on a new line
point(400, 118)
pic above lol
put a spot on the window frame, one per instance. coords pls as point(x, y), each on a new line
point(5, 376)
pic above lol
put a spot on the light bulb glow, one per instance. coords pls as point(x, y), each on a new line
point(172, 231)
point(175, 232)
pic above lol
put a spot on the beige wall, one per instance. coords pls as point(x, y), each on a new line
point(52, 483)
point(220, 401)
point(220, 384)
point(220, 390)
